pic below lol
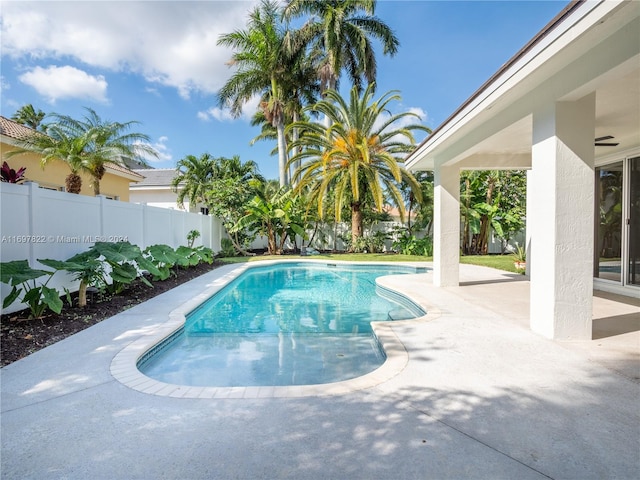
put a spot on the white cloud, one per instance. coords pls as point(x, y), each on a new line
point(65, 82)
point(224, 114)
point(220, 114)
point(160, 146)
point(170, 43)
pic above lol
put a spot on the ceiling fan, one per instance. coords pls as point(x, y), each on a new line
point(600, 143)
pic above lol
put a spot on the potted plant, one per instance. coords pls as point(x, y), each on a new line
point(520, 257)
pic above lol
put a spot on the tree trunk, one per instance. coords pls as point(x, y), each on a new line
point(73, 183)
point(465, 229)
point(96, 186)
point(82, 294)
point(356, 223)
point(409, 214)
point(294, 138)
point(282, 154)
point(271, 242)
point(483, 247)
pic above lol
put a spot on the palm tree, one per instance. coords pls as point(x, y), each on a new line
point(27, 115)
point(262, 59)
point(193, 175)
point(358, 156)
point(234, 168)
point(108, 142)
point(57, 143)
point(86, 146)
point(232, 186)
point(343, 30)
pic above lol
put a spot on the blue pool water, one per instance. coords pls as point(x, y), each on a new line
point(286, 324)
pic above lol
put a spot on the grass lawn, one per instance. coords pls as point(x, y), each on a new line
point(501, 262)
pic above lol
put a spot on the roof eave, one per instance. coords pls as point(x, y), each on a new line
point(425, 152)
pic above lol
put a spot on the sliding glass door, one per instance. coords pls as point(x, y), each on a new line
point(633, 222)
point(617, 235)
point(609, 184)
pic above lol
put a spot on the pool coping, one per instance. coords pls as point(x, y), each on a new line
point(124, 365)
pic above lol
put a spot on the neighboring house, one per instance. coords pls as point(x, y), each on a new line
point(576, 84)
point(114, 184)
point(155, 190)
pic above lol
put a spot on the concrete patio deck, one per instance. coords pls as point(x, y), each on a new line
point(480, 396)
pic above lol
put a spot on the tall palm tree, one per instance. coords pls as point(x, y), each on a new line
point(262, 58)
point(57, 143)
point(343, 30)
point(266, 57)
point(358, 157)
point(193, 175)
point(27, 115)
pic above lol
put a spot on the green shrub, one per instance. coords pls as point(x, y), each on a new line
point(408, 244)
point(22, 279)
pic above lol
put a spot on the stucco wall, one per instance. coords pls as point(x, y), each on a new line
point(55, 172)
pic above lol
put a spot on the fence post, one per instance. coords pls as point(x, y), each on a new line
point(101, 199)
point(33, 209)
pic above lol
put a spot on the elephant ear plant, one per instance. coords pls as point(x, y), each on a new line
point(85, 267)
point(22, 279)
point(123, 258)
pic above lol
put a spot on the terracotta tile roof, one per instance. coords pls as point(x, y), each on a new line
point(13, 129)
point(120, 169)
point(17, 131)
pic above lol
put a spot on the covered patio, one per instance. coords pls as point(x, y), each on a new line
point(567, 109)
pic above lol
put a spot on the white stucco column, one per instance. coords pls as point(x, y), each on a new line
point(446, 227)
point(561, 216)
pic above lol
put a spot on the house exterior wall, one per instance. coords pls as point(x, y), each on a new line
point(156, 197)
point(54, 173)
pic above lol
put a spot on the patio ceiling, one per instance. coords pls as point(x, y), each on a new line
point(589, 50)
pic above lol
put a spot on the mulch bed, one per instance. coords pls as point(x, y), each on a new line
point(20, 336)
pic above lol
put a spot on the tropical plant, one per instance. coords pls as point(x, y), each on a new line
point(408, 244)
point(520, 255)
point(123, 259)
point(343, 30)
point(264, 56)
point(106, 142)
point(193, 175)
point(9, 175)
point(27, 115)
point(226, 248)
point(163, 258)
point(491, 199)
point(191, 237)
point(269, 214)
point(85, 267)
point(57, 143)
point(419, 214)
point(22, 279)
point(232, 186)
point(86, 146)
point(358, 158)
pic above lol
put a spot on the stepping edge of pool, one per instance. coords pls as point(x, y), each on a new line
point(124, 365)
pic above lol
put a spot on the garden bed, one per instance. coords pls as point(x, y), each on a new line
point(20, 336)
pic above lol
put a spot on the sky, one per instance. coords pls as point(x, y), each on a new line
point(158, 63)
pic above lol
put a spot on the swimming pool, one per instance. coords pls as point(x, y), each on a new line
point(283, 324)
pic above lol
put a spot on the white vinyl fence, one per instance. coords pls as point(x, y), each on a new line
point(40, 223)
